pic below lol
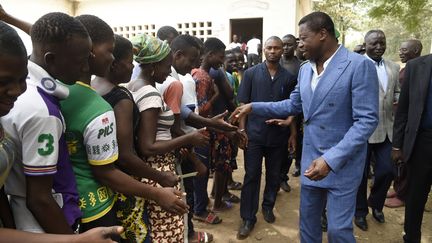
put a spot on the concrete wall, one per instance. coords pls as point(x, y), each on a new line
point(31, 10)
point(279, 16)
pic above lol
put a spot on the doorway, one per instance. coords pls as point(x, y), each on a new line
point(245, 29)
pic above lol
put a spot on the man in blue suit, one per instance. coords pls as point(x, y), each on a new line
point(338, 94)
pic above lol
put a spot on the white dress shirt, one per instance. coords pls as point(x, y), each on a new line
point(381, 72)
point(316, 77)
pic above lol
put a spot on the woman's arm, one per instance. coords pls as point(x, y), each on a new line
point(147, 143)
point(128, 159)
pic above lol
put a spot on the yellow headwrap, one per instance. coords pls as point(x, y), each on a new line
point(149, 49)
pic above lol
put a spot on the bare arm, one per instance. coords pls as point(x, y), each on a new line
point(167, 198)
point(41, 203)
point(149, 146)
point(128, 159)
point(100, 234)
point(20, 24)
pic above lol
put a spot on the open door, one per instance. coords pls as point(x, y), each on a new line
point(245, 29)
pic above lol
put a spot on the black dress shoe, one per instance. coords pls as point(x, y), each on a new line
point(245, 229)
point(378, 215)
point(361, 223)
point(268, 215)
point(284, 185)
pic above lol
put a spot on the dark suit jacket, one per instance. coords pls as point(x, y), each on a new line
point(411, 104)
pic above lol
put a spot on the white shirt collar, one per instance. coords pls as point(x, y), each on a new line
point(43, 80)
point(313, 64)
point(381, 62)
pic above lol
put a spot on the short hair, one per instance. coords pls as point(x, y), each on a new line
point(200, 43)
point(237, 50)
point(289, 36)
point(317, 21)
point(273, 38)
point(10, 42)
point(370, 32)
point(122, 47)
point(166, 31)
point(416, 44)
point(98, 29)
point(183, 42)
point(213, 44)
point(56, 27)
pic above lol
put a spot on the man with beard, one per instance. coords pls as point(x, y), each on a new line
point(267, 81)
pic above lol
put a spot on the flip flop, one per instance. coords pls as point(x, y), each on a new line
point(211, 218)
point(226, 206)
point(231, 198)
point(235, 186)
point(201, 237)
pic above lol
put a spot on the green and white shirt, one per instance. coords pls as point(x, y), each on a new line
point(92, 141)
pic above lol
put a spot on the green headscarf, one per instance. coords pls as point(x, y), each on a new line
point(149, 49)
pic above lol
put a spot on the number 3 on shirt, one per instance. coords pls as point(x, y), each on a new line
point(48, 139)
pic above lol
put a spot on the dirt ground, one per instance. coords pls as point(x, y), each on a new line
point(285, 229)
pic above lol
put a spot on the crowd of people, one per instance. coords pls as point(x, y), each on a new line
point(109, 139)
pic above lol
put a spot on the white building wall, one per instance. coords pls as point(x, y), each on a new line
point(31, 10)
point(279, 16)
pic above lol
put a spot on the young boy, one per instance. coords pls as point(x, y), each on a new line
point(42, 182)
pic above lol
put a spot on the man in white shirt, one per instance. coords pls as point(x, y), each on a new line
point(253, 51)
point(380, 142)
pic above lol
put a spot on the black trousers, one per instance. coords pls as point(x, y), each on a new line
point(419, 183)
point(252, 179)
point(384, 174)
point(109, 219)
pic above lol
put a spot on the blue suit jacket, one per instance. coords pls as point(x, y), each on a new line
point(339, 116)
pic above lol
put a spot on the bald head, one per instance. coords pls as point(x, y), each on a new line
point(410, 49)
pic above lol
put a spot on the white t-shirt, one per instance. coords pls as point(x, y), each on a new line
point(36, 127)
point(252, 46)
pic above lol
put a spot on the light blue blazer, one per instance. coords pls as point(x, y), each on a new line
point(339, 116)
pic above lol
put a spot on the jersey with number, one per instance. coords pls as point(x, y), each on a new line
point(91, 139)
point(36, 126)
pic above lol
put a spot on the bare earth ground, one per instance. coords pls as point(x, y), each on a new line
point(285, 229)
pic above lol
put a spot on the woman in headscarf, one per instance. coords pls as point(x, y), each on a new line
point(154, 137)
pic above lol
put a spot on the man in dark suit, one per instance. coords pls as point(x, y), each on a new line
point(413, 139)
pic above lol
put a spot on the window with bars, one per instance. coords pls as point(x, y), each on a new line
point(133, 30)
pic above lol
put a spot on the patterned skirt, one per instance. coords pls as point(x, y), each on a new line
point(133, 216)
point(165, 226)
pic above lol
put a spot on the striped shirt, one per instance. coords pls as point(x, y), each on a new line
point(147, 97)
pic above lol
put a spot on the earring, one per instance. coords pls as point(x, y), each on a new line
point(152, 73)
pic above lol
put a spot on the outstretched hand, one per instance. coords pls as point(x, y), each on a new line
point(318, 170)
point(240, 112)
point(170, 200)
point(100, 234)
point(218, 122)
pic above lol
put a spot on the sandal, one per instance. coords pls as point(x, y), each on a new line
point(201, 237)
point(225, 207)
point(211, 218)
point(231, 198)
point(235, 186)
